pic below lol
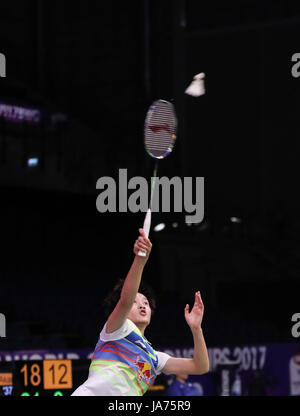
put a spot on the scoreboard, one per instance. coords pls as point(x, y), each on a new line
point(42, 377)
point(52, 378)
point(47, 376)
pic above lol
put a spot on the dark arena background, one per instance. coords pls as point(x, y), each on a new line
point(76, 82)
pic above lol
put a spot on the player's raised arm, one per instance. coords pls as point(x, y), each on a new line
point(199, 364)
point(131, 284)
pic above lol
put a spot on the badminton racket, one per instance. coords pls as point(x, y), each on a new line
point(159, 139)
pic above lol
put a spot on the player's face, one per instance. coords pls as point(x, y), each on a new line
point(140, 311)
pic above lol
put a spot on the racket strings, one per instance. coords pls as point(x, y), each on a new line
point(160, 130)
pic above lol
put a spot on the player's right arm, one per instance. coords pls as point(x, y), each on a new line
point(131, 284)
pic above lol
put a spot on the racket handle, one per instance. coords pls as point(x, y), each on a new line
point(146, 228)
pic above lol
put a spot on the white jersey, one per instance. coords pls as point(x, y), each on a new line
point(123, 364)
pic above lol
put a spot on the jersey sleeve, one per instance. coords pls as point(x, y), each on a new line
point(162, 359)
point(120, 333)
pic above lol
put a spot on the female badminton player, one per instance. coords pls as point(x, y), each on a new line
point(124, 362)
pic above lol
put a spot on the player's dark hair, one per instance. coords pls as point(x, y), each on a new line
point(113, 297)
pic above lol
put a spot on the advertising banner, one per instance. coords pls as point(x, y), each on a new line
point(247, 370)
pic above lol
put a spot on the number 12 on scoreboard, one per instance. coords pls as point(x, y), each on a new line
point(57, 374)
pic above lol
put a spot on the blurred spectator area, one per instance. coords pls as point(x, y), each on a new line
point(57, 266)
point(85, 70)
point(50, 151)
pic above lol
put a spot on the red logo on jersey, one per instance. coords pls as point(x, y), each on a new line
point(144, 370)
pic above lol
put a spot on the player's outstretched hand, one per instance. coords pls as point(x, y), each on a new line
point(194, 318)
point(142, 244)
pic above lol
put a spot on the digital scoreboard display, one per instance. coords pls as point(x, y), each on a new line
point(42, 377)
point(56, 377)
point(6, 379)
point(6, 386)
point(47, 377)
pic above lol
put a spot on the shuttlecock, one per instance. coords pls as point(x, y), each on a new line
point(197, 87)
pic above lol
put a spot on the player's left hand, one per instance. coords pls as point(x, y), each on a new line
point(194, 318)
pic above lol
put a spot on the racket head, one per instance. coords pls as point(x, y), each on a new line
point(160, 129)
